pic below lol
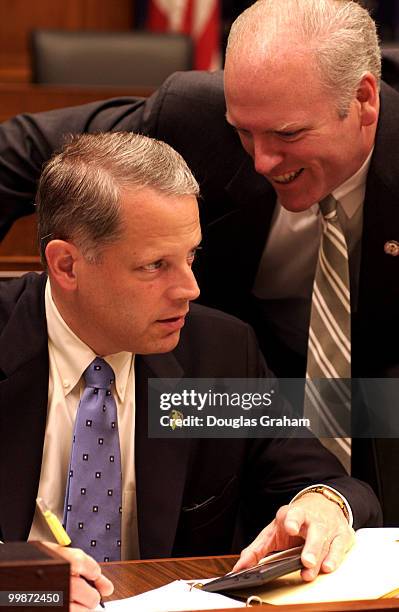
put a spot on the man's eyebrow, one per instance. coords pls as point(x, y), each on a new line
point(284, 127)
point(157, 256)
point(232, 124)
point(237, 128)
point(289, 127)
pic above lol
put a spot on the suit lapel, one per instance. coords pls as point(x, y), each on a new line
point(161, 466)
point(234, 243)
point(255, 199)
point(23, 401)
point(378, 287)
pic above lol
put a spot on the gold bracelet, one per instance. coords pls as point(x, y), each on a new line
point(328, 494)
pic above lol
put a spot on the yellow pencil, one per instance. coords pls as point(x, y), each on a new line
point(52, 521)
point(58, 532)
point(394, 593)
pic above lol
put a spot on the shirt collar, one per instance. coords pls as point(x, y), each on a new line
point(350, 194)
point(72, 356)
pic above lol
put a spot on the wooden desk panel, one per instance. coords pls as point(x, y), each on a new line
point(21, 240)
point(18, 98)
point(14, 265)
point(135, 577)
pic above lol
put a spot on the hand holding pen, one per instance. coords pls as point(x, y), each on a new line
point(87, 582)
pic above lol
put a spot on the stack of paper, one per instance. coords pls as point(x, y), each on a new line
point(173, 597)
point(369, 571)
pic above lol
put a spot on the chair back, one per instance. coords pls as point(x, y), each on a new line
point(82, 58)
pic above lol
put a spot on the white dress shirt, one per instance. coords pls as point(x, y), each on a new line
point(284, 281)
point(69, 357)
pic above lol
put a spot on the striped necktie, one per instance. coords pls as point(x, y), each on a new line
point(328, 385)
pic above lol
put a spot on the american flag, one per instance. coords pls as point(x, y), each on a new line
point(198, 18)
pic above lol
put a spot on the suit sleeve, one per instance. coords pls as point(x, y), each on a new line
point(280, 469)
point(27, 141)
point(176, 113)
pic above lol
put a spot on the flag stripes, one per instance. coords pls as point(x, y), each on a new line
point(201, 19)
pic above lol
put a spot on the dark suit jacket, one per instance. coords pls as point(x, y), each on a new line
point(237, 206)
point(193, 496)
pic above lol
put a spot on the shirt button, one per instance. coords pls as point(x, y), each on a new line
point(66, 383)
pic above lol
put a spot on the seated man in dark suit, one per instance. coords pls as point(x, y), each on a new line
point(119, 228)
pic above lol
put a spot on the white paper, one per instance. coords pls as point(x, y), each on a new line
point(172, 597)
point(369, 571)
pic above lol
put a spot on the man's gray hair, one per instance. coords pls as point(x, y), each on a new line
point(340, 35)
point(80, 189)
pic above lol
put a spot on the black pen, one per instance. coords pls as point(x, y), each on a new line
point(59, 532)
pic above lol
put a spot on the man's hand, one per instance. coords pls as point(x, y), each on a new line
point(312, 518)
point(83, 596)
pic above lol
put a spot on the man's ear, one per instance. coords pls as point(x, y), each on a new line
point(61, 259)
point(368, 97)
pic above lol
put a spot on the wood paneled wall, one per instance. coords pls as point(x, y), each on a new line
point(19, 17)
point(21, 240)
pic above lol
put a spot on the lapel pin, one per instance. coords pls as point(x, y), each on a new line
point(176, 418)
point(391, 247)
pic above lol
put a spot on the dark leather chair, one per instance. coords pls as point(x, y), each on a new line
point(141, 59)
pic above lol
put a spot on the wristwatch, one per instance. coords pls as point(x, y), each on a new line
point(328, 494)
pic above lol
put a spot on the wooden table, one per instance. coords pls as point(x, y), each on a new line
point(134, 577)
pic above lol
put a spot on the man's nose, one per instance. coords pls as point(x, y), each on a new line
point(186, 287)
point(266, 156)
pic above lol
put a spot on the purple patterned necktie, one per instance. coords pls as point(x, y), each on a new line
point(93, 507)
